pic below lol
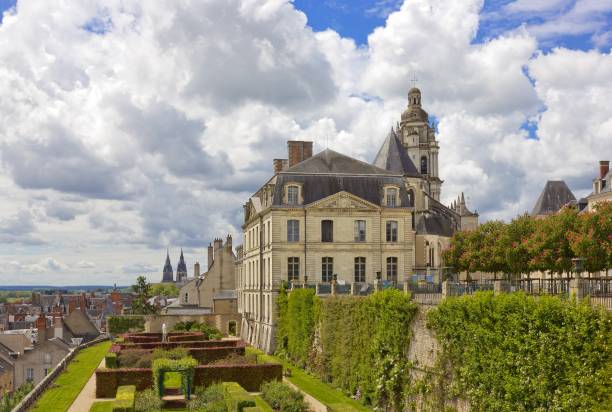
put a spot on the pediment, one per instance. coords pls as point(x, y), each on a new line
point(343, 200)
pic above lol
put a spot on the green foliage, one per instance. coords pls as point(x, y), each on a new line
point(8, 402)
point(122, 324)
point(185, 366)
point(210, 332)
point(148, 401)
point(236, 397)
point(527, 244)
point(168, 290)
point(282, 398)
point(174, 353)
point(517, 353)
point(359, 344)
point(140, 304)
point(110, 360)
point(135, 359)
point(124, 401)
point(211, 399)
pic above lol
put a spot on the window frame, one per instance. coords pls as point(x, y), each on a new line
point(290, 200)
point(359, 271)
point(330, 231)
point(295, 231)
point(392, 268)
point(390, 231)
point(359, 234)
point(327, 269)
point(293, 268)
point(391, 201)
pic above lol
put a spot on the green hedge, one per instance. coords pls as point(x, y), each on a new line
point(362, 344)
point(110, 360)
point(108, 380)
point(513, 352)
point(122, 324)
point(236, 397)
point(124, 401)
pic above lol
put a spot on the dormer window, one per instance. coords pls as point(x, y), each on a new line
point(292, 194)
point(391, 197)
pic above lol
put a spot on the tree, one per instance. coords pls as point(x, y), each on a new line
point(516, 244)
point(591, 238)
point(168, 290)
point(140, 304)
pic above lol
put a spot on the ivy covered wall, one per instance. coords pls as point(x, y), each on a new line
point(513, 352)
point(359, 344)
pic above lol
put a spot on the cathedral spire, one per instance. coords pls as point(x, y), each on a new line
point(181, 269)
point(168, 273)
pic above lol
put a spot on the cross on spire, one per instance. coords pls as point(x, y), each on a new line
point(414, 79)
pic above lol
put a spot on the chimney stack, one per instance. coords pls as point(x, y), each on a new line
point(604, 168)
point(58, 327)
point(280, 165)
point(228, 242)
point(211, 255)
point(196, 270)
point(299, 151)
point(41, 326)
point(218, 244)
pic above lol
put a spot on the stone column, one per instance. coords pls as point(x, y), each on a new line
point(576, 289)
point(333, 287)
point(352, 288)
point(498, 287)
point(445, 289)
point(406, 290)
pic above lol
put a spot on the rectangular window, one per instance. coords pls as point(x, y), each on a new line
point(30, 374)
point(327, 269)
point(360, 231)
point(327, 231)
point(293, 230)
point(293, 268)
point(392, 269)
point(360, 265)
point(391, 197)
point(292, 195)
point(392, 231)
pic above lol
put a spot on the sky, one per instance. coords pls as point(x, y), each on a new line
point(130, 127)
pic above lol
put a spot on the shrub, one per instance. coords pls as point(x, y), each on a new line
point(236, 359)
point(108, 380)
point(209, 399)
point(122, 324)
point(124, 401)
point(174, 353)
point(282, 398)
point(134, 358)
point(184, 365)
point(236, 397)
point(249, 377)
point(209, 332)
point(110, 360)
point(148, 401)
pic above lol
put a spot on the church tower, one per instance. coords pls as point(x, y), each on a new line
point(419, 139)
point(181, 269)
point(168, 275)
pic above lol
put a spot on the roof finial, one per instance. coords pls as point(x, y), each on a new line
point(414, 79)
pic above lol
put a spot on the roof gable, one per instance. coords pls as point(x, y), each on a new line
point(555, 195)
point(392, 156)
point(343, 200)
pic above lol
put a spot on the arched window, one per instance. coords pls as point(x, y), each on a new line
point(424, 165)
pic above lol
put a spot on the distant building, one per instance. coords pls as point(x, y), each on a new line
point(602, 186)
point(168, 273)
point(554, 196)
point(181, 269)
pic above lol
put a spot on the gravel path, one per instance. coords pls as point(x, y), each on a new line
point(87, 397)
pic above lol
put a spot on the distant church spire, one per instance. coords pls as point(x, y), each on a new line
point(168, 274)
point(181, 269)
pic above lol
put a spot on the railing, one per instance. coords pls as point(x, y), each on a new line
point(558, 286)
point(467, 288)
point(597, 287)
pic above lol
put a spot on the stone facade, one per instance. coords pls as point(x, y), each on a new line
point(602, 186)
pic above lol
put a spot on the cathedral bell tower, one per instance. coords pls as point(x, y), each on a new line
point(419, 139)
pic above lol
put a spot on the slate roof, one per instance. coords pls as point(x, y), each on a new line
point(433, 224)
point(555, 195)
point(392, 156)
point(331, 162)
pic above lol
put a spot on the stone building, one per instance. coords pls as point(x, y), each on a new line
point(555, 195)
point(602, 186)
point(212, 291)
point(331, 217)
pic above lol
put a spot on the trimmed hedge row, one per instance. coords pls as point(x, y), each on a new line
point(110, 360)
point(187, 344)
point(186, 337)
point(250, 377)
point(208, 355)
point(122, 324)
point(126, 397)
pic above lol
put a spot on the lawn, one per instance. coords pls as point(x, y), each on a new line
point(71, 381)
point(105, 406)
point(333, 398)
point(173, 380)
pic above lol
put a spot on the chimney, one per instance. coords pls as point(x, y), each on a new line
point(58, 327)
point(196, 270)
point(83, 301)
point(211, 255)
point(280, 165)
point(604, 168)
point(71, 306)
point(299, 151)
point(218, 243)
point(41, 326)
point(228, 242)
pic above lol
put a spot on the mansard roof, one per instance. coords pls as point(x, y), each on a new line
point(392, 156)
point(332, 162)
point(433, 224)
point(555, 195)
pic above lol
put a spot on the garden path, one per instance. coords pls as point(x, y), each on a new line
point(87, 397)
point(315, 405)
